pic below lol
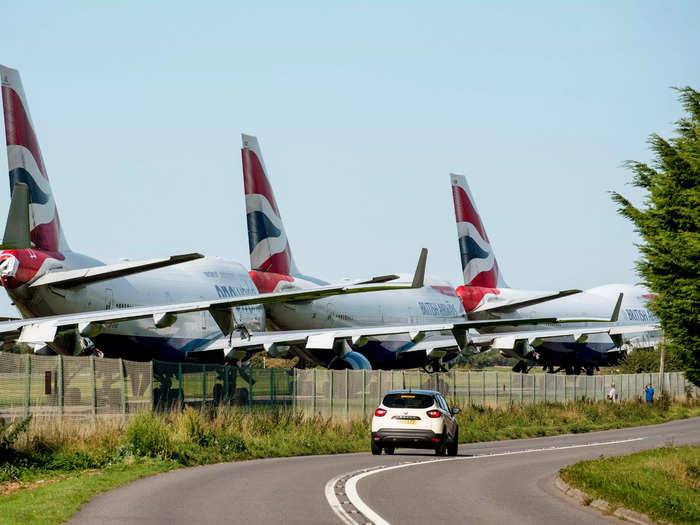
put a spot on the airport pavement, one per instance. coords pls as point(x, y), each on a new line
point(495, 482)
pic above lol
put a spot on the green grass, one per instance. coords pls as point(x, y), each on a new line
point(478, 423)
point(663, 483)
point(87, 459)
point(57, 502)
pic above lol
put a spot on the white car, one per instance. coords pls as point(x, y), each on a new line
point(415, 419)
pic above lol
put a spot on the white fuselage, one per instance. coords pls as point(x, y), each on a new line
point(202, 279)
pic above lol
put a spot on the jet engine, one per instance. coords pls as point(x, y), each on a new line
point(350, 360)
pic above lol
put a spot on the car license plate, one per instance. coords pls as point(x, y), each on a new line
point(408, 421)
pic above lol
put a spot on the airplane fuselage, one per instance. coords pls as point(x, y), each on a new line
point(202, 279)
point(598, 302)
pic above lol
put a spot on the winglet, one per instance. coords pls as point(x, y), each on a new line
point(17, 235)
point(616, 311)
point(419, 276)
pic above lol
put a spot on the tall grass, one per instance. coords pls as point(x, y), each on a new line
point(190, 437)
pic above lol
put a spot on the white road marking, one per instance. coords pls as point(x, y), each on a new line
point(370, 515)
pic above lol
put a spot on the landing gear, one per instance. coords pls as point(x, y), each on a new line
point(520, 366)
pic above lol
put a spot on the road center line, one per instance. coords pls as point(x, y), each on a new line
point(345, 512)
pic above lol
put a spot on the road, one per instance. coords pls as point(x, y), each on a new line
point(495, 482)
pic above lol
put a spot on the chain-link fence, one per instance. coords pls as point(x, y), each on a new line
point(352, 394)
point(89, 387)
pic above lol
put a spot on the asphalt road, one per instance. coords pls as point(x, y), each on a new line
point(496, 482)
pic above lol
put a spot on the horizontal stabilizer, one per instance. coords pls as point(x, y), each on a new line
point(71, 278)
point(522, 302)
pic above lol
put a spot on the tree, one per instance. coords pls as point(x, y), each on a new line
point(669, 223)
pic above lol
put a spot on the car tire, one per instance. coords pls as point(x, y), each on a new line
point(376, 449)
point(440, 449)
point(389, 450)
point(454, 445)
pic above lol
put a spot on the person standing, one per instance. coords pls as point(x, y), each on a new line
point(612, 395)
point(649, 391)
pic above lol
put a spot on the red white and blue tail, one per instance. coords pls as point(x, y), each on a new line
point(267, 240)
point(479, 264)
point(26, 165)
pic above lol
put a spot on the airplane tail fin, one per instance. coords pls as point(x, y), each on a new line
point(26, 165)
point(267, 240)
point(479, 264)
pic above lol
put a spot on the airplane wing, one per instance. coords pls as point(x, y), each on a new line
point(71, 278)
point(521, 302)
point(325, 338)
point(43, 329)
point(508, 340)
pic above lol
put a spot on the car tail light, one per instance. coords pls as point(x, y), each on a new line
point(380, 412)
point(433, 413)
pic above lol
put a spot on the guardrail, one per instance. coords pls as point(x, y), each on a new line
point(89, 387)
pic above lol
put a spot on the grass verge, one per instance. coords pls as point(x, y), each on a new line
point(77, 461)
point(663, 483)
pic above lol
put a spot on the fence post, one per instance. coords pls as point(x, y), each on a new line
point(534, 388)
point(496, 388)
point(204, 387)
point(250, 388)
point(575, 381)
point(330, 393)
point(181, 389)
point(454, 386)
point(483, 388)
point(294, 389)
point(59, 383)
point(313, 392)
point(227, 372)
point(379, 387)
point(122, 388)
point(150, 378)
point(93, 385)
point(272, 387)
point(510, 388)
point(522, 387)
point(545, 387)
point(469, 388)
point(364, 394)
point(27, 375)
point(347, 395)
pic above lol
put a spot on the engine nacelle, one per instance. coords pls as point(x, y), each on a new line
point(350, 361)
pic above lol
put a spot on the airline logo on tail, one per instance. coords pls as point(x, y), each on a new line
point(26, 165)
point(267, 240)
point(479, 264)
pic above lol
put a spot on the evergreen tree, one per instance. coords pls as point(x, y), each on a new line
point(669, 223)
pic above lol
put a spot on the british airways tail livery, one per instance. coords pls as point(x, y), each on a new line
point(27, 166)
point(267, 240)
point(485, 296)
point(479, 265)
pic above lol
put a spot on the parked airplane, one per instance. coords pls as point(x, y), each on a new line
point(159, 308)
point(485, 295)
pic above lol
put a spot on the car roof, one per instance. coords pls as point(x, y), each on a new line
point(412, 391)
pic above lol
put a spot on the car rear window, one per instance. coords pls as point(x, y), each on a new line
point(408, 401)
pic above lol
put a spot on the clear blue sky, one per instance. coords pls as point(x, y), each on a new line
point(362, 110)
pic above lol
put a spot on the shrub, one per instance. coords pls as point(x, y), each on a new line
point(147, 435)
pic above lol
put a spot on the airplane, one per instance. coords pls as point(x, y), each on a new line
point(485, 295)
point(165, 308)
